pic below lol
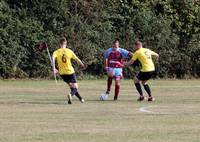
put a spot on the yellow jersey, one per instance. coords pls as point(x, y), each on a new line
point(63, 57)
point(144, 55)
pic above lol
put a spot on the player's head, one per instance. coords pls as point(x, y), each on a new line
point(63, 42)
point(115, 44)
point(137, 44)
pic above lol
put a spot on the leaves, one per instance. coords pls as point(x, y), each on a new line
point(169, 27)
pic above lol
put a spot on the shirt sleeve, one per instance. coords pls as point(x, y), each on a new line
point(151, 52)
point(54, 54)
point(106, 54)
point(74, 56)
point(124, 53)
point(135, 56)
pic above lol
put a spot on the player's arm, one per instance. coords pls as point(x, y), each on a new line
point(132, 60)
point(55, 71)
point(105, 59)
point(129, 63)
point(154, 54)
point(105, 63)
point(125, 53)
point(79, 62)
point(130, 54)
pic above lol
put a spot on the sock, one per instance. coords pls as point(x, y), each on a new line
point(139, 89)
point(73, 91)
point(147, 89)
point(78, 96)
point(109, 83)
point(117, 88)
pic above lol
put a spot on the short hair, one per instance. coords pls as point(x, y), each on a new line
point(116, 40)
point(62, 40)
point(138, 43)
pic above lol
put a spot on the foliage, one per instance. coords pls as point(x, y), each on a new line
point(168, 27)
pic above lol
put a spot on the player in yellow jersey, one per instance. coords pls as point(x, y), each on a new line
point(63, 57)
point(144, 56)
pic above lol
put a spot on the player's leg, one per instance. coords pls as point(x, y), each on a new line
point(138, 87)
point(74, 88)
point(74, 91)
point(109, 84)
point(118, 77)
point(109, 80)
point(66, 79)
point(117, 87)
point(147, 88)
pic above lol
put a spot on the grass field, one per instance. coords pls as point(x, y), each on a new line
point(36, 111)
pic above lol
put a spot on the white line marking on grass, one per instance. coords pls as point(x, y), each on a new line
point(146, 109)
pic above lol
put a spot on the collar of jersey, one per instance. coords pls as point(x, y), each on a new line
point(115, 50)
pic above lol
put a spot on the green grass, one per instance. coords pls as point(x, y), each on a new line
point(36, 111)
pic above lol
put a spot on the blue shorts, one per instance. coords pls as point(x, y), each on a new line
point(116, 72)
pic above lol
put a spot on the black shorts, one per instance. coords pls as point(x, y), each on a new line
point(145, 75)
point(69, 78)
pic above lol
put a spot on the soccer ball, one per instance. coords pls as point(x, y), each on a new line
point(103, 97)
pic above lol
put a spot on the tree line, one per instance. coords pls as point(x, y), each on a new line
point(169, 27)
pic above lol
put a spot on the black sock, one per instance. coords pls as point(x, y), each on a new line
point(73, 91)
point(147, 89)
point(139, 89)
point(78, 96)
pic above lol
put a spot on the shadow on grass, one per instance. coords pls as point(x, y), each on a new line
point(34, 103)
point(43, 103)
point(110, 100)
point(65, 102)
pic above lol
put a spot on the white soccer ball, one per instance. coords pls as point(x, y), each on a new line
point(103, 97)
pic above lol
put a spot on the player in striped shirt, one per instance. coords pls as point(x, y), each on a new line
point(114, 57)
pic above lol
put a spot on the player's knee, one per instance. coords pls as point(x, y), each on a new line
point(144, 82)
point(70, 85)
point(74, 91)
point(110, 74)
point(73, 85)
point(117, 80)
point(117, 83)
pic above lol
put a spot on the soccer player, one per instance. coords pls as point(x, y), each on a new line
point(113, 64)
point(144, 56)
point(63, 57)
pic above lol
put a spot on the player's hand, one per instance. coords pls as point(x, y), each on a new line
point(120, 64)
point(83, 66)
point(55, 71)
point(106, 68)
point(125, 64)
